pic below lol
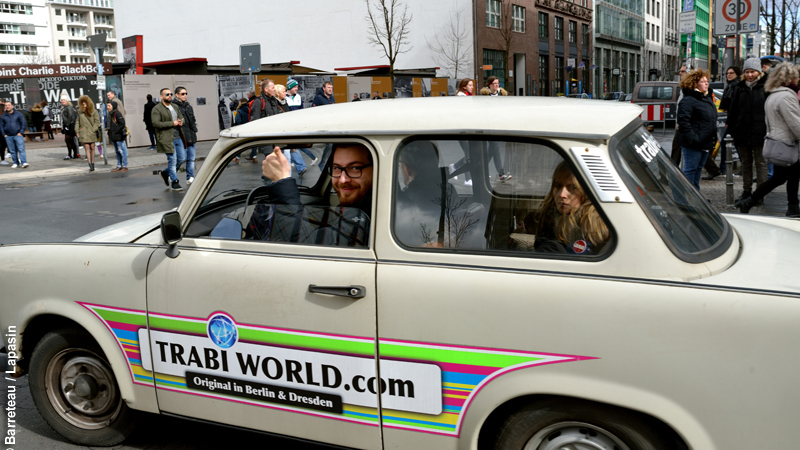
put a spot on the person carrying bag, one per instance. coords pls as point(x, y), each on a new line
point(782, 110)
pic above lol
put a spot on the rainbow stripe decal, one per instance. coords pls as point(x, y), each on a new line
point(463, 371)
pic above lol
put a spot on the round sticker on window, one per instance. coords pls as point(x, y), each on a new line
point(579, 246)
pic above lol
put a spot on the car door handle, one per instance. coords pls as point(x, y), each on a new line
point(342, 291)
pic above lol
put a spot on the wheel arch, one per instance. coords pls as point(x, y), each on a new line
point(45, 316)
point(510, 392)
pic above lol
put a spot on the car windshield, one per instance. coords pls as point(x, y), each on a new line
point(655, 92)
point(688, 224)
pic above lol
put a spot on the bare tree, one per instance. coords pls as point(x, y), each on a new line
point(452, 48)
point(505, 35)
point(37, 59)
point(388, 27)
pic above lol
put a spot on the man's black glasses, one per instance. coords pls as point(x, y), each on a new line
point(351, 171)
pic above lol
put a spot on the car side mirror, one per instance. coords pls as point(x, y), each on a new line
point(171, 232)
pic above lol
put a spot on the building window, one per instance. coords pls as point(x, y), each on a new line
point(543, 29)
point(59, 27)
point(63, 58)
point(658, 10)
point(60, 42)
point(585, 35)
point(493, 13)
point(573, 32)
point(658, 34)
point(543, 81)
point(648, 6)
point(10, 28)
point(102, 19)
point(559, 75)
point(78, 47)
point(497, 60)
point(11, 49)
point(77, 32)
point(559, 28)
point(518, 14)
point(58, 12)
point(79, 60)
point(76, 18)
point(14, 8)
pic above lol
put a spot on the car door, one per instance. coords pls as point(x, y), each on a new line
point(263, 334)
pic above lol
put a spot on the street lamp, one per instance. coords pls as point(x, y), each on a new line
point(98, 42)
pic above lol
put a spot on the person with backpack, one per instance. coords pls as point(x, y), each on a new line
point(115, 123)
point(241, 115)
point(263, 106)
point(68, 118)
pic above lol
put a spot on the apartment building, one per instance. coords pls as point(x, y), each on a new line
point(24, 34)
point(71, 21)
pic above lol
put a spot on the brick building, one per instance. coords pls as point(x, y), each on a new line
point(535, 47)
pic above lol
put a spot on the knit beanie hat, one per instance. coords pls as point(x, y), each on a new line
point(290, 84)
point(752, 63)
point(64, 96)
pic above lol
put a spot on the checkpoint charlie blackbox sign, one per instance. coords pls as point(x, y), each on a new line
point(51, 70)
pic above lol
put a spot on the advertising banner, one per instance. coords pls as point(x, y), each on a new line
point(51, 70)
point(132, 53)
point(24, 93)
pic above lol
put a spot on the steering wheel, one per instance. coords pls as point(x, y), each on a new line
point(255, 194)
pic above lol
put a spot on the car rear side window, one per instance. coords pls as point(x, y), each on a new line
point(688, 224)
point(493, 196)
point(655, 92)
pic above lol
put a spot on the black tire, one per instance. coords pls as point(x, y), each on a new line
point(74, 390)
point(557, 423)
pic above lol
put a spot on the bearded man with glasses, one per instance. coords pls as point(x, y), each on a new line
point(167, 120)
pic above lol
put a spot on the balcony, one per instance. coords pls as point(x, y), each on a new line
point(104, 25)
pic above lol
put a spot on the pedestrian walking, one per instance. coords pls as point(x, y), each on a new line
point(148, 121)
point(115, 124)
point(746, 124)
point(112, 97)
point(48, 119)
point(697, 119)
point(783, 120)
point(295, 102)
point(465, 88)
point(675, 155)
point(68, 118)
point(732, 75)
point(295, 158)
point(168, 120)
point(88, 127)
point(261, 107)
point(3, 145)
point(13, 126)
point(38, 118)
point(240, 115)
point(189, 131)
point(324, 95)
point(493, 89)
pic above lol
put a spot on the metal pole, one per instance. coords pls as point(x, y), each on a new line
point(103, 115)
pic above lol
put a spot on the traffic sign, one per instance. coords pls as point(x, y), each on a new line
point(725, 12)
point(101, 83)
point(250, 58)
point(688, 19)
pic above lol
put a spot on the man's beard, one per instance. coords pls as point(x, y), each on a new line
point(167, 101)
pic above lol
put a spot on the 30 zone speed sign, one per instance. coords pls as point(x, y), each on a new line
point(725, 16)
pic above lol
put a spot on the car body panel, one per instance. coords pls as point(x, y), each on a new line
point(705, 347)
point(117, 272)
point(127, 231)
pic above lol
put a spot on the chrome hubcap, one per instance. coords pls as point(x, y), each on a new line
point(574, 436)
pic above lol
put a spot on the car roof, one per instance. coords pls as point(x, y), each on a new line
point(532, 116)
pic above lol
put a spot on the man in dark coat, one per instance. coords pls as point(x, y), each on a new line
point(68, 118)
point(167, 120)
point(148, 121)
point(324, 95)
point(189, 129)
point(263, 106)
point(747, 125)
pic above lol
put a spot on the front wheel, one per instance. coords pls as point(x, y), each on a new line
point(564, 423)
point(74, 390)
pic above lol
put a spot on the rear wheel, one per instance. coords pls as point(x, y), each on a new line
point(74, 390)
point(572, 424)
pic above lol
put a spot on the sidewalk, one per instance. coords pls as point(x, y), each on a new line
point(775, 203)
point(46, 160)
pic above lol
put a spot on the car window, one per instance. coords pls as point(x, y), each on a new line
point(688, 223)
point(655, 92)
point(243, 204)
point(493, 196)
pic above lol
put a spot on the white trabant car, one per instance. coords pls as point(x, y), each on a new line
point(453, 274)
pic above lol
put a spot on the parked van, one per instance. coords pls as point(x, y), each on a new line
point(658, 92)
